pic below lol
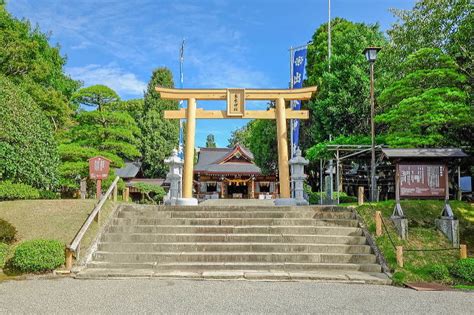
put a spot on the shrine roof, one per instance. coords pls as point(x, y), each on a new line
point(218, 160)
point(424, 153)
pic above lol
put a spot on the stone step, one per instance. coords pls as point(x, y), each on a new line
point(236, 221)
point(320, 208)
point(242, 266)
point(235, 247)
point(223, 229)
point(262, 275)
point(225, 257)
point(221, 214)
point(258, 238)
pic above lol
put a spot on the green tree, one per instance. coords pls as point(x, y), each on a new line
point(134, 107)
point(262, 141)
point(341, 107)
point(159, 135)
point(113, 134)
point(96, 96)
point(210, 141)
point(444, 24)
point(27, 148)
point(239, 135)
point(427, 106)
point(28, 60)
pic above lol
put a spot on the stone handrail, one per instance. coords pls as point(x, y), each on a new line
point(76, 242)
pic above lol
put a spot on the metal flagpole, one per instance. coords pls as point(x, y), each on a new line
point(181, 79)
point(292, 153)
point(329, 35)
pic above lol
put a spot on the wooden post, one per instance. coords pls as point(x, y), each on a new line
point(115, 193)
point(463, 251)
point(68, 255)
point(189, 149)
point(125, 194)
point(360, 195)
point(378, 223)
point(400, 256)
point(282, 137)
point(98, 189)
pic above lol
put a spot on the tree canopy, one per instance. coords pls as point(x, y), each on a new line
point(28, 151)
point(159, 135)
point(210, 141)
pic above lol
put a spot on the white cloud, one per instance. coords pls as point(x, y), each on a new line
point(124, 83)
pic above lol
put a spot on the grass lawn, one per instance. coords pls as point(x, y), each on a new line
point(52, 219)
point(422, 233)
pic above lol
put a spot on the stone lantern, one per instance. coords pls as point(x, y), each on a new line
point(298, 177)
point(174, 176)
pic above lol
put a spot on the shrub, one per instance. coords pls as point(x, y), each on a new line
point(7, 232)
point(12, 191)
point(153, 193)
point(440, 272)
point(314, 197)
point(463, 269)
point(38, 256)
point(3, 254)
point(48, 194)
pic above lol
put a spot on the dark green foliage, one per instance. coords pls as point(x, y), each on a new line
point(95, 96)
point(133, 107)
point(27, 147)
point(341, 106)
point(48, 194)
point(159, 135)
point(38, 256)
point(239, 135)
point(315, 197)
point(153, 193)
point(210, 141)
point(262, 142)
point(440, 272)
point(463, 269)
point(14, 191)
point(7, 232)
point(427, 106)
point(4, 248)
point(27, 59)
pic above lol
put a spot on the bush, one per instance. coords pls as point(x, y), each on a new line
point(440, 272)
point(153, 193)
point(3, 254)
point(314, 197)
point(7, 232)
point(463, 269)
point(11, 191)
point(38, 256)
point(48, 194)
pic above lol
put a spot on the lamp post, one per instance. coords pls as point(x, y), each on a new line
point(371, 54)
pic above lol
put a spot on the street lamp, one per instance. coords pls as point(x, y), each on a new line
point(371, 54)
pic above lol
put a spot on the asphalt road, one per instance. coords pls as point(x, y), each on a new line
point(181, 296)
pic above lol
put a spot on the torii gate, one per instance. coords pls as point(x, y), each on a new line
point(236, 109)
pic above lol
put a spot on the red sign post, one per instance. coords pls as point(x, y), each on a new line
point(99, 169)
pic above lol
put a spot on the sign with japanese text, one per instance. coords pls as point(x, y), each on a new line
point(99, 167)
point(422, 180)
point(235, 102)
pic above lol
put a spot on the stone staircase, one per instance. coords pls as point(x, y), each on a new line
point(235, 242)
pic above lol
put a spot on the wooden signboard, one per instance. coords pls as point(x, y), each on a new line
point(422, 180)
point(99, 168)
point(236, 102)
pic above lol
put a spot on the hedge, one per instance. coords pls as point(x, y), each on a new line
point(38, 256)
point(463, 269)
point(7, 232)
point(13, 191)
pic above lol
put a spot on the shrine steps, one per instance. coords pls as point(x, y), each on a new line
point(264, 243)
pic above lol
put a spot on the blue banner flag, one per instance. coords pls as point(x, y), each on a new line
point(298, 65)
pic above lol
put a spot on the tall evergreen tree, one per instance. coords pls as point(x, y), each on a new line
point(159, 135)
point(210, 141)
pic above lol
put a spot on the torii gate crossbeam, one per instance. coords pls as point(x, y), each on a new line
point(236, 109)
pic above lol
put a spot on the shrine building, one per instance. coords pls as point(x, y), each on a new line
point(230, 173)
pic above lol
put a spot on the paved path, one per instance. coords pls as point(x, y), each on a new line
point(175, 296)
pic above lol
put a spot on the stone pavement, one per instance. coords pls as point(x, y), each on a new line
point(222, 297)
point(239, 202)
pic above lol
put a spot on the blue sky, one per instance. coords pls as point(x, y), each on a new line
point(228, 43)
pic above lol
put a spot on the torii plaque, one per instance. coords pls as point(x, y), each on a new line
point(236, 109)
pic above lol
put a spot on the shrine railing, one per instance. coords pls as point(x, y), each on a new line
point(73, 248)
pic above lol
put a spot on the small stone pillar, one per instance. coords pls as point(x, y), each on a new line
point(298, 177)
point(174, 176)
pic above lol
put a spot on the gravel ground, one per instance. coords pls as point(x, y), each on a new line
point(181, 296)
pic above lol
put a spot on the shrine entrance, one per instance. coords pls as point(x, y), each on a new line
point(236, 110)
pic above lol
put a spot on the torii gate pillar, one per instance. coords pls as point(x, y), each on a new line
point(236, 109)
